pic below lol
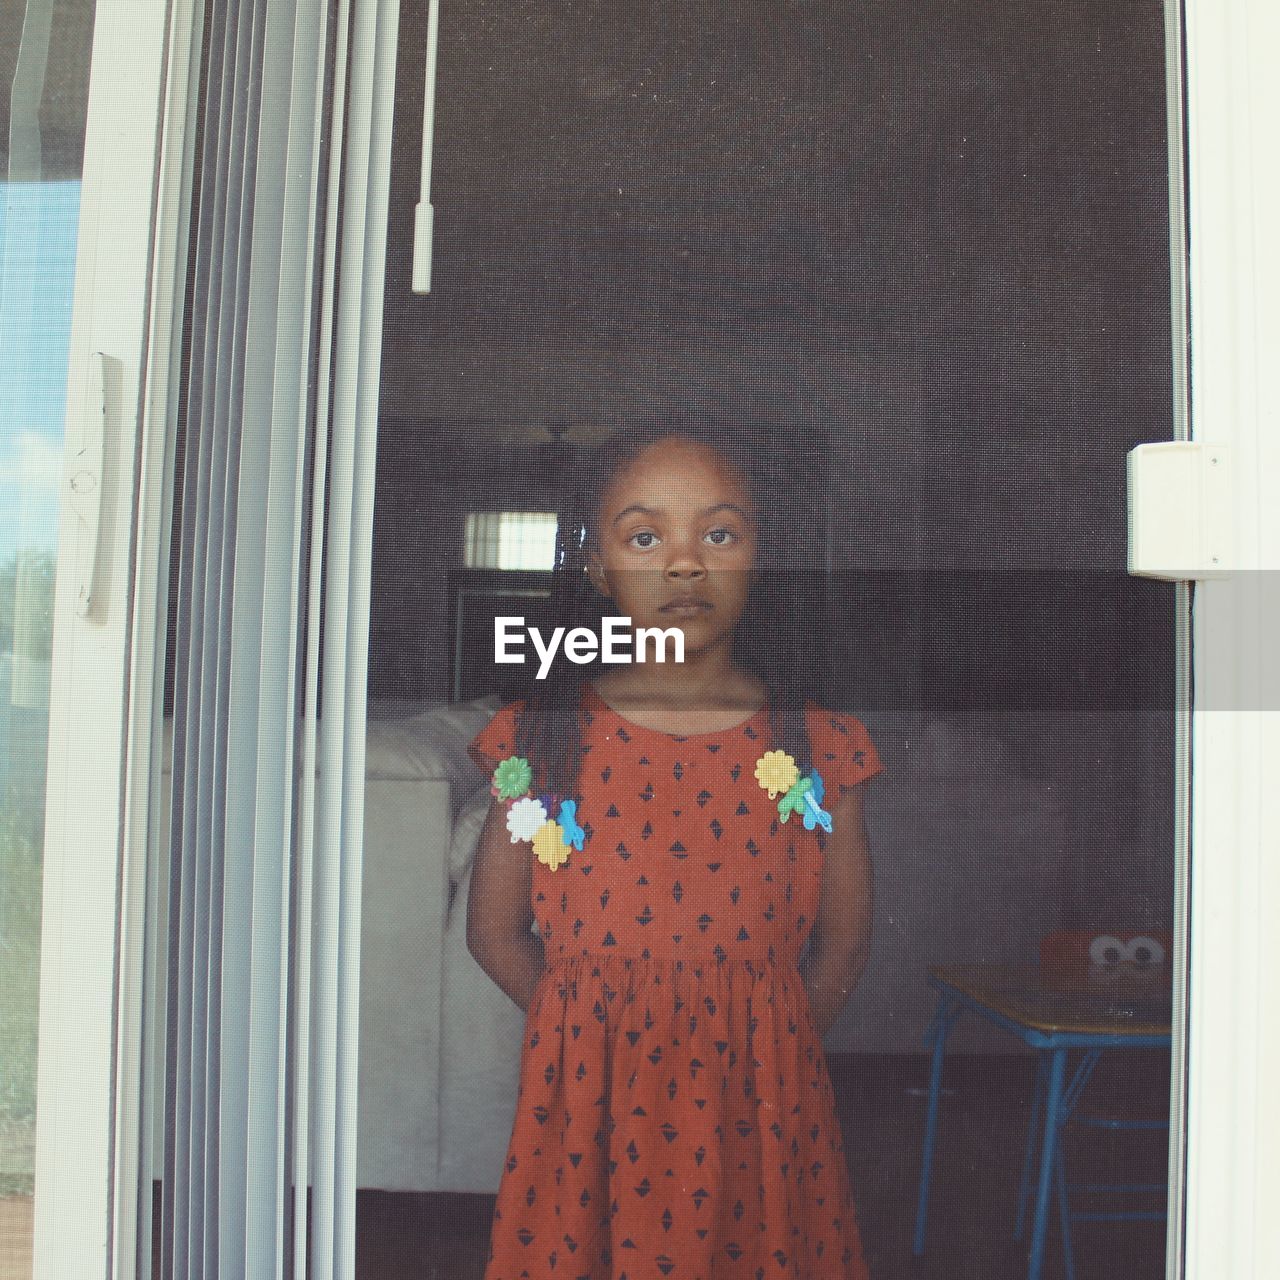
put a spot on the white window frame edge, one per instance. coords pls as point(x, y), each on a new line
point(1232, 1048)
point(76, 1084)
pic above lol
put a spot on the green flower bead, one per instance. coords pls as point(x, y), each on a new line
point(793, 800)
point(512, 778)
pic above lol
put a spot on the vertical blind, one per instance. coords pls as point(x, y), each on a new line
point(261, 924)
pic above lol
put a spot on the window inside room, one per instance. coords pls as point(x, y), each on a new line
point(510, 540)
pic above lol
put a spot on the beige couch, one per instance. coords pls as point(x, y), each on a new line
point(439, 1042)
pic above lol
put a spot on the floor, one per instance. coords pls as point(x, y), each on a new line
point(15, 1237)
point(980, 1143)
point(979, 1160)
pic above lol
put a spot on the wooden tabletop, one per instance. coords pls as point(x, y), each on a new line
point(1071, 998)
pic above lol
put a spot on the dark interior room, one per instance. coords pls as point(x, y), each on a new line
point(927, 245)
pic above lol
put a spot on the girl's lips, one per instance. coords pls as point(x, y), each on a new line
point(686, 609)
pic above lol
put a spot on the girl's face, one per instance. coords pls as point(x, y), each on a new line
point(677, 524)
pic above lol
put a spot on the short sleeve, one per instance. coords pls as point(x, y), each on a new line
point(843, 752)
point(497, 740)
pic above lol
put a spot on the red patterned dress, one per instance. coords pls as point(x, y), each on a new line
point(675, 1115)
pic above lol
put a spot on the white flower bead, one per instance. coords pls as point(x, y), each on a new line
point(524, 817)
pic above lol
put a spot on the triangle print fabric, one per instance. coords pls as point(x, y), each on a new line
point(675, 1115)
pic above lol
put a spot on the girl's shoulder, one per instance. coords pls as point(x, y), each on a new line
point(843, 752)
point(823, 717)
point(497, 740)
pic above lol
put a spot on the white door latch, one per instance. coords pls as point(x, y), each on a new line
point(1180, 511)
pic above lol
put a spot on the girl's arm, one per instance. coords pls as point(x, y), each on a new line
point(499, 912)
point(841, 940)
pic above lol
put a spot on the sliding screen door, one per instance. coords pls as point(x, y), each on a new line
point(80, 100)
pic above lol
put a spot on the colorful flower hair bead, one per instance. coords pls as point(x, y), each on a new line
point(529, 816)
point(803, 798)
point(549, 845)
point(776, 771)
point(573, 833)
point(524, 818)
point(512, 778)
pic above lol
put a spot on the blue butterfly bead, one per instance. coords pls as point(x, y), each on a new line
point(573, 833)
point(814, 814)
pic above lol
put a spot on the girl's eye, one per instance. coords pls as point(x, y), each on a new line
point(644, 539)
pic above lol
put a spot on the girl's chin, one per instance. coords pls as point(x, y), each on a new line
point(698, 634)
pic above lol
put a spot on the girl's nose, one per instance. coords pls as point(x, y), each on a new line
point(685, 567)
point(684, 560)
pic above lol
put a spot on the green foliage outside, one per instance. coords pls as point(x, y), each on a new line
point(36, 617)
point(21, 819)
point(26, 607)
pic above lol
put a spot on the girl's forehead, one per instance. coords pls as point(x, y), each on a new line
point(676, 473)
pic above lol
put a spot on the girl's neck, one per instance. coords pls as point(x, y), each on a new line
point(706, 683)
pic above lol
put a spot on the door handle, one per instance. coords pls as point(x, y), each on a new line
point(1181, 504)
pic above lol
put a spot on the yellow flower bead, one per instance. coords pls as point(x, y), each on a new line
point(776, 772)
point(549, 846)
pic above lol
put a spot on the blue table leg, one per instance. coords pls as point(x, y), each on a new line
point(1029, 1156)
point(1064, 1215)
point(939, 1029)
point(1048, 1148)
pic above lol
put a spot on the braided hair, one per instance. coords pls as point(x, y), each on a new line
point(783, 644)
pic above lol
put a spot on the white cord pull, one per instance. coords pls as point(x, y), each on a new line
point(423, 218)
point(424, 215)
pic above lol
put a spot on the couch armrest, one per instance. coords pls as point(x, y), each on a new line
point(404, 908)
point(479, 1064)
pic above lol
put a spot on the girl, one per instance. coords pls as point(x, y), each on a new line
point(688, 839)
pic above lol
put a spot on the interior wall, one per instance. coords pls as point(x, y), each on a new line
point(930, 239)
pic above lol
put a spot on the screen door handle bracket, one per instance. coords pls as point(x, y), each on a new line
point(1180, 498)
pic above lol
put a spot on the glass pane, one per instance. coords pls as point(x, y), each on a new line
point(911, 263)
point(44, 77)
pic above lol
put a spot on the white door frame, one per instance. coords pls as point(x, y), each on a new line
point(91, 662)
point(1233, 1050)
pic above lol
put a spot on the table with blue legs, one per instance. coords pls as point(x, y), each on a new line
point(1055, 1010)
